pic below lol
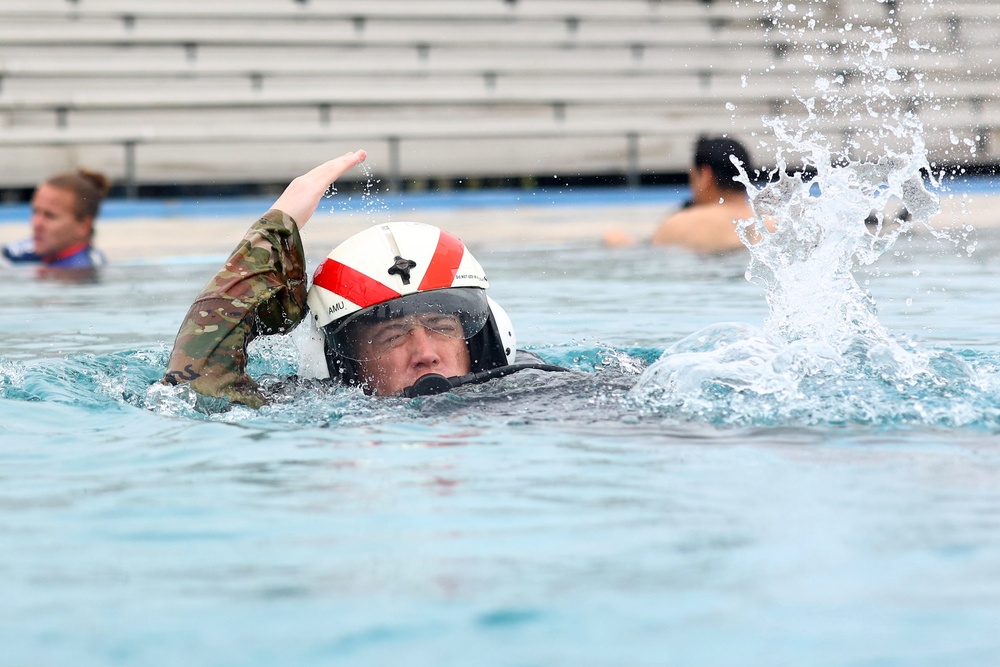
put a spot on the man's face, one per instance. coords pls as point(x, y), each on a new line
point(54, 224)
point(396, 353)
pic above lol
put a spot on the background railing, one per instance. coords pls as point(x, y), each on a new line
point(181, 92)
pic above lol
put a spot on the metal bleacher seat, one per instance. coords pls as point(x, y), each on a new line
point(182, 91)
point(439, 86)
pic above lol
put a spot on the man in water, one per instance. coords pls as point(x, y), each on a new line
point(707, 223)
point(63, 211)
point(401, 307)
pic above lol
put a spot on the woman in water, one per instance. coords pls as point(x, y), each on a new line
point(63, 211)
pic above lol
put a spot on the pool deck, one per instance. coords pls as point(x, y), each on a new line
point(156, 234)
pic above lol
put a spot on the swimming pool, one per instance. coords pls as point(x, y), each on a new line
point(557, 523)
point(795, 470)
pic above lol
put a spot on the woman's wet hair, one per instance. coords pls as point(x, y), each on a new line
point(714, 152)
point(90, 188)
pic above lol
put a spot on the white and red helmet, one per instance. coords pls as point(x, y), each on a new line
point(399, 268)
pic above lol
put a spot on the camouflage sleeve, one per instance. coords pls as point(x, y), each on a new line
point(261, 290)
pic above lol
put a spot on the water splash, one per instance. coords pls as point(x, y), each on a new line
point(829, 214)
point(821, 235)
point(369, 203)
point(822, 356)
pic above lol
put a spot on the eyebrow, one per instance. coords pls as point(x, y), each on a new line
point(385, 327)
point(438, 317)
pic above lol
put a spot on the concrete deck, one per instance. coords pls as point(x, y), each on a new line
point(149, 238)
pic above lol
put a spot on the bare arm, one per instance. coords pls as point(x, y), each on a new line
point(301, 197)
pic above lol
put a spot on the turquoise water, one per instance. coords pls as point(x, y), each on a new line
point(795, 470)
point(556, 520)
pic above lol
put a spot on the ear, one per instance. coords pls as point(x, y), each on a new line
point(87, 225)
point(705, 175)
point(701, 180)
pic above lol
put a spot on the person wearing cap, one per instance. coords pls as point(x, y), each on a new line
point(401, 306)
point(63, 211)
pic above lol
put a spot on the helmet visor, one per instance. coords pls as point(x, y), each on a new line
point(458, 313)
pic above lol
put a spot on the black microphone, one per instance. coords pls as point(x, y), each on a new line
point(434, 383)
point(427, 385)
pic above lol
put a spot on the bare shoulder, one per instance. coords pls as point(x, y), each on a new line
point(706, 228)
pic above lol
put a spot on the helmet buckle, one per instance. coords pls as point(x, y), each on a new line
point(402, 267)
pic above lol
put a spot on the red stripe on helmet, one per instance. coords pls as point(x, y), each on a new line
point(444, 264)
point(352, 284)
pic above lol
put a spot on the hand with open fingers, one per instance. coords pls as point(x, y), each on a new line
point(301, 197)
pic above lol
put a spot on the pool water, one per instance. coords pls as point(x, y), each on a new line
point(561, 519)
point(798, 469)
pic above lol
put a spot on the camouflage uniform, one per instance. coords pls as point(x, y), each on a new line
point(261, 290)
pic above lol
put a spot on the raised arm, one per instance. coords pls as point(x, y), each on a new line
point(301, 197)
point(261, 290)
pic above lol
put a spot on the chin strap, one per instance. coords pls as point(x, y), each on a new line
point(433, 383)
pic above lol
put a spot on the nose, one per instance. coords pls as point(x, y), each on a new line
point(423, 348)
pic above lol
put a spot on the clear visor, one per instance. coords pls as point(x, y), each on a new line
point(458, 313)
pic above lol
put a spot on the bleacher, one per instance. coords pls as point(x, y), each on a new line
point(256, 91)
